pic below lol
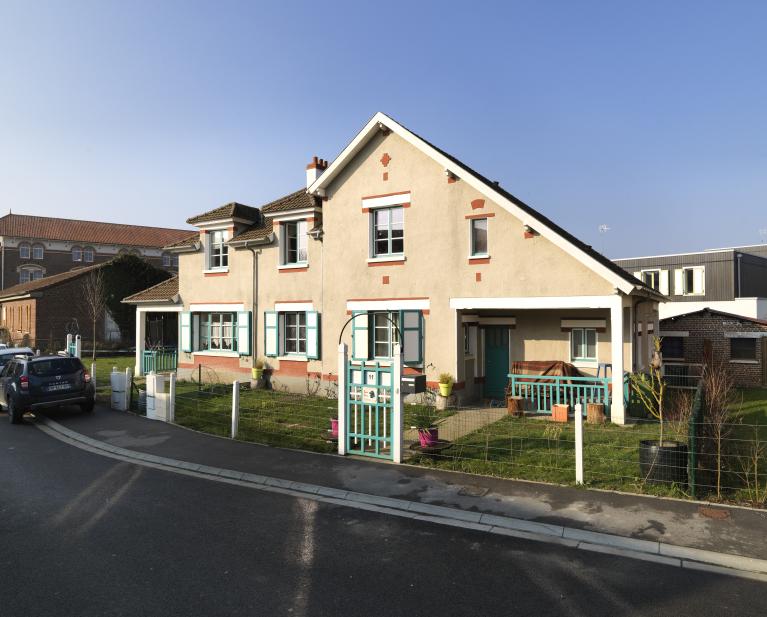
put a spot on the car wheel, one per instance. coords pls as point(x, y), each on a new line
point(88, 407)
point(14, 413)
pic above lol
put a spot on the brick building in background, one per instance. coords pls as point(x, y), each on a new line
point(40, 313)
point(35, 247)
point(740, 343)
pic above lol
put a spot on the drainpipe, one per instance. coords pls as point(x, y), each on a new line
point(2, 263)
point(740, 255)
point(255, 252)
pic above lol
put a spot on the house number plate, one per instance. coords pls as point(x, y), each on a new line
point(371, 377)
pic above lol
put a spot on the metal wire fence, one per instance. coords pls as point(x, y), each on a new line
point(718, 461)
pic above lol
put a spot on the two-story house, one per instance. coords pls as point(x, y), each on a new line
point(730, 280)
point(414, 247)
point(33, 247)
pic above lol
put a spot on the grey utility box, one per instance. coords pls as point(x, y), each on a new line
point(413, 384)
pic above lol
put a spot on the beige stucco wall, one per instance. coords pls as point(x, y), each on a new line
point(436, 249)
point(437, 267)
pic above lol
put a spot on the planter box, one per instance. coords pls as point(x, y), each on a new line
point(559, 413)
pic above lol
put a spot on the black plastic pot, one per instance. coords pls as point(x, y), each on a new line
point(664, 464)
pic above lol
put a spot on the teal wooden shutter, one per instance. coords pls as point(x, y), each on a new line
point(243, 332)
point(186, 332)
point(412, 336)
point(360, 335)
point(271, 333)
point(312, 335)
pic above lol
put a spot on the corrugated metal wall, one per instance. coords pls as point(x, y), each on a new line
point(720, 272)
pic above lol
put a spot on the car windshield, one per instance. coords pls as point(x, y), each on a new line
point(4, 358)
point(54, 366)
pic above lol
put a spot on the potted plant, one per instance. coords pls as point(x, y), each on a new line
point(258, 369)
point(424, 422)
point(446, 382)
point(661, 461)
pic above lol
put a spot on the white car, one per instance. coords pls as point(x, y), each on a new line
point(9, 353)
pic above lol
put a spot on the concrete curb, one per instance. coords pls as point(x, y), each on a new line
point(645, 550)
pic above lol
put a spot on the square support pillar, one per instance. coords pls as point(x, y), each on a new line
point(617, 409)
point(140, 338)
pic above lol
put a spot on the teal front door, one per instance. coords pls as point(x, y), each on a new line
point(496, 361)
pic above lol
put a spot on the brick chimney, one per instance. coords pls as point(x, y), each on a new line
point(314, 170)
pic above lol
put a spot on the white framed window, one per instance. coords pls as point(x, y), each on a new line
point(166, 260)
point(651, 278)
point(384, 333)
point(219, 250)
point(218, 332)
point(294, 241)
point(77, 253)
point(89, 254)
point(387, 232)
point(38, 251)
point(691, 281)
point(583, 344)
point(24, 250)
point(294, 333)
point(478, 237)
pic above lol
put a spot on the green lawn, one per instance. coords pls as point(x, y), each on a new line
point(524, 448)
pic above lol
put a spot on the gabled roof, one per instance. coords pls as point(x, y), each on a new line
point(231, 210)
point(189, 242)
point(540, 223)
point(88, 232)
point(262, 230)
point(716, 313)
point(294, 201)
point(24, 289)
point(165, 291)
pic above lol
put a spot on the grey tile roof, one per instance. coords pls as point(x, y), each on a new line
point(227, 211)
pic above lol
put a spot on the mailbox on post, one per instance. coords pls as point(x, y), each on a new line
point(413, 384)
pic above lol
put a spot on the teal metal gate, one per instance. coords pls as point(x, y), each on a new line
point(369, 409)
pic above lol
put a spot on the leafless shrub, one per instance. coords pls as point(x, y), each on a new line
point(94, 296)
point(719, 417)
point(753, 472)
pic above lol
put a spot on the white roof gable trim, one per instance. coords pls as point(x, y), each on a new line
point(381, 119)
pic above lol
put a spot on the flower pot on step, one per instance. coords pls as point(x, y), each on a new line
point(516, 406)
point(445, 389)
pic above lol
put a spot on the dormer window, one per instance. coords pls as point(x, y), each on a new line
point(295, 243)
point(219, 250)
point(24, 250)
point(38, 251)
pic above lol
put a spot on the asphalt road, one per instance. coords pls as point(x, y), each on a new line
point(84, 535)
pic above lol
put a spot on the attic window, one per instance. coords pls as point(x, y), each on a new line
point(219, 250)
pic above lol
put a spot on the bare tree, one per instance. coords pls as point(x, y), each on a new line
point(94, 295)
point(720, 399)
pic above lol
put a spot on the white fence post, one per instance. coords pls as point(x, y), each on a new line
point(151, 395)
point(396, 406)
point(128, 389)
point(78, 346)
point(235, 408)
point(93, 374)
point(579, 444)
point(172, 398)
point(342, 359)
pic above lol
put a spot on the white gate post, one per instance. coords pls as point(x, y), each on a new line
point(396, 405)
point(151, 395)
point(93, 374)
point(79, 346)
point(70, 340)
point(342, 359)
point(128, 389)
point(579, 444)
point(235, 408)
point(172, 398)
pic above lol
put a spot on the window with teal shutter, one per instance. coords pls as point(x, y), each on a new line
point(312, 335)
point(412, 335)
point(186, 332)
point(271, 333)
point(243, 332)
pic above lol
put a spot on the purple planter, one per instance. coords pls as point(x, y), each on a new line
point(427, 437)
point(334, 427)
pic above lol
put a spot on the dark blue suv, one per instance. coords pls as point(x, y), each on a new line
point(27, 384)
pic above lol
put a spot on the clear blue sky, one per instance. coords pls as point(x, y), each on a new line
point(650, 117)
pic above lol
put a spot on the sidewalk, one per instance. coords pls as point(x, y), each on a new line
point(634, 518)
